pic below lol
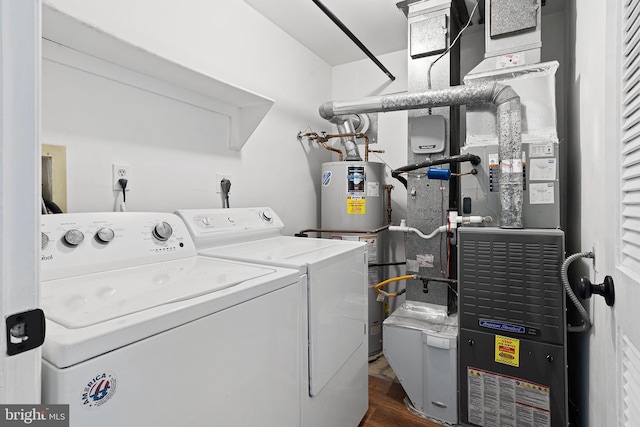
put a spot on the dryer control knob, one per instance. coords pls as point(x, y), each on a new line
point(73, 237)
point(162, 231)
point(44, 240)
point(266, 216)
point(105, 235)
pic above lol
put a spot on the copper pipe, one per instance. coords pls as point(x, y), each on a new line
point(357, 135)
point(322, 140)
point(326, 230)
point(335, 150)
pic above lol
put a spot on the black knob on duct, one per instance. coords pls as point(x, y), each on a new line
point(606, 289)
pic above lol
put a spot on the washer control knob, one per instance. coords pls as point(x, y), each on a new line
point(205, 220)
point(266, 216)
point(105, 235)
point(44, 240)
point(162, 231)
point(73, 237)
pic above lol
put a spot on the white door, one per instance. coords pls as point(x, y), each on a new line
point(614, 359)
point(19, 191)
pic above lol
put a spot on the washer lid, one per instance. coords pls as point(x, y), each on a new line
point(142, 302)
point(81, 301)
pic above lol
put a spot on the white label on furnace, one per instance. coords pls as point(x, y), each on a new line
point(511, 165)
point(542, 169)
point(493, 160)
point(541, 194)
point(541, 150)
point(425, 260)
point(510, 60)
point(495, 399)
point(373, 189)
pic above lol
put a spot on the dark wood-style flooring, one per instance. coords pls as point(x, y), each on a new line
point(387, 408)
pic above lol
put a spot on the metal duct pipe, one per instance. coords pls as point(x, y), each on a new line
point(508, 120)
point(345, 126)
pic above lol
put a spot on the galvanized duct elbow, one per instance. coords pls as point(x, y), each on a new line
point(509, 129)
point(349, 142)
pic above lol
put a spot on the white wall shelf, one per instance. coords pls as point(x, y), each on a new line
point(74, 43)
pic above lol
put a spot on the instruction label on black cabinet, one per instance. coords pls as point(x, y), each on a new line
point(497, 400)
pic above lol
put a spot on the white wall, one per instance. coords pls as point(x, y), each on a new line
point(174, 149)
point(592, 197)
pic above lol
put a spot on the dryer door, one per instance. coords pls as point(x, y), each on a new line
point(337, 291)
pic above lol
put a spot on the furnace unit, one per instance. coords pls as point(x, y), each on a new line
point(512, 358)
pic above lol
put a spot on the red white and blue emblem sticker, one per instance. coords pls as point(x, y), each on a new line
point(326, 178)
point(98, 390)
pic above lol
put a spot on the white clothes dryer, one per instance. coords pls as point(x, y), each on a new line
point(141, 331)
point(334, 358)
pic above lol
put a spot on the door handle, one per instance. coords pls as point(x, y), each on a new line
point(25, 331)
point(606, 289)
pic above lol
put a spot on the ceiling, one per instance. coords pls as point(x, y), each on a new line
point(378, 24)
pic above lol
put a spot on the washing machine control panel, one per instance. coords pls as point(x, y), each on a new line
point(82, 243)
point(215, 227)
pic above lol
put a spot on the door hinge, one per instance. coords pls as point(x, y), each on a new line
point(25, 331)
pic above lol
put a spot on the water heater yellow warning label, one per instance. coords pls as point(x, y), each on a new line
point(507, 351)
point(356, 205)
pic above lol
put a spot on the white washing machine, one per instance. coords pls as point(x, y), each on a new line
point(141, 331)
point(334, 358)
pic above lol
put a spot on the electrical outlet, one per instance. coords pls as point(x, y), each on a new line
point(220, 177)
point(121, 171)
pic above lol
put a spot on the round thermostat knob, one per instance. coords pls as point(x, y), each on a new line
point(162, 231)
point(73, 237)
point(105, 235)
point(44, 240)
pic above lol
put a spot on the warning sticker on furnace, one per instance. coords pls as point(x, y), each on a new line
point(500, 400)
point(507, 351)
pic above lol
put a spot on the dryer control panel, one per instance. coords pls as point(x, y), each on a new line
point(216, 227)
point(82, 243)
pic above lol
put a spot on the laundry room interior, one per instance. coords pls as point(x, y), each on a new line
point(340, 213)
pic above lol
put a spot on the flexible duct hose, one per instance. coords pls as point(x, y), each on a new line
point(572, 296)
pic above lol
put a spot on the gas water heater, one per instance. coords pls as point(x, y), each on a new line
point(352, 198)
